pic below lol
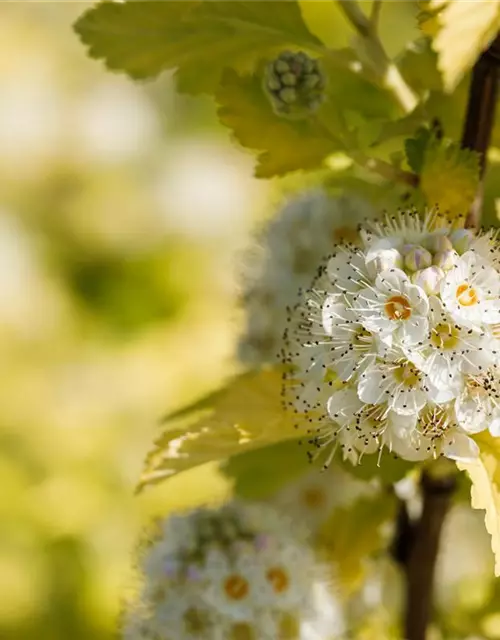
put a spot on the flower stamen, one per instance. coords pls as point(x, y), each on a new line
point(398, 308)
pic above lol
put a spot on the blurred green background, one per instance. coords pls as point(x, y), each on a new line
point(124, 209)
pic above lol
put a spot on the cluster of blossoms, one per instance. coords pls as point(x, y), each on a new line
point(285, 260)
point(314, 496)
point(237, 573)
point(398, 342)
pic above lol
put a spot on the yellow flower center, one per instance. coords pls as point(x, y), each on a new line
point(466, 295)
point(314, 497)
point(444, 336)
point(195, 621)
point(289, 627)
point(398, 308)
point(242, 631)
point(236, 587)
point(407, 375)
point(278, 578)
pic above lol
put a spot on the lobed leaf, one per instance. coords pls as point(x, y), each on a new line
point(258, 474)
point(485, 492)
point(463, 31)
point(197, 38)
point(283, 145)
point(245, 415)
point(446, 165)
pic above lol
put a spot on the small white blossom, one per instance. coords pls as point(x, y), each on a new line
point(471, 292)
point(239, 572)
point(286, 260)
point(312, 498)
point(403, 337)
point(478, 404)
point(394, 309)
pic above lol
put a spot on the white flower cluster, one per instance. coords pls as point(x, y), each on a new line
point(237, 573)
point(398, 343)
point(314, 496)
point(285, 261)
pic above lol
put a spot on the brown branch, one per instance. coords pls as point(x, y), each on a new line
point(419, 561)
point(480, 116)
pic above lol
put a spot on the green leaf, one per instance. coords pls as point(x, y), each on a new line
point(199, 38)
point(418, 65)
point(284, 145)
point(245, 415)
point(485, 492)
point(449, 177)
point(261, 473)
point(354, 533)
point(466, 29)
point(415, 148)
point(385, 466)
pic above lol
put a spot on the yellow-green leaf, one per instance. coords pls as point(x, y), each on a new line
point(466, 29)
point(283, 145)
point(260, 473)
point(351, 534)
point(245, 415)
point(449, 176)
point(485, 493)
point(199, 38)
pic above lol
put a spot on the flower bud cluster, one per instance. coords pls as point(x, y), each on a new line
point(295, 84)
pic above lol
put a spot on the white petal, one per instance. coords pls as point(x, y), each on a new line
point(342, 405)
point(418, 299)
point(470, 416)
point(495, 427)
point(409, 401)
point(444, 393)
point(372, 386)
point(462, 448)
point(391, 281)
point(414, 330)
point(333, 314)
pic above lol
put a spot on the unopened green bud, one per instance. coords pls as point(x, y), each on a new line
point(281, 66)
point(418, 258)
point(383, 260)
point(294, 84)
point(288, 95)
point(446, 260)
point(462, 240)
point(289, 79)
point(439, 243)
point(428, 279)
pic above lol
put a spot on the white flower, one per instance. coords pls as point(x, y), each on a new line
point(478, 405)
point(394, 309)
point(347, 270)
point(248, 574)
point(451, 350)
point(285, 261)
point(400, 384)
point(360, 428)
point(379, 361)
point(351, 348)
point(471, 292)
point(433, 433)
point(312, 498)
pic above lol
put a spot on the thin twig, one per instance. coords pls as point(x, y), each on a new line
point(421, 561)
point(375, 14)
point(384, 169)
point(377, 56)
point(480, 115)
